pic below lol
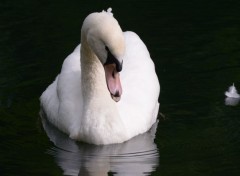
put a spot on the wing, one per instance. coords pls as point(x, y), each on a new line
point(139, 101)
point(62, 100)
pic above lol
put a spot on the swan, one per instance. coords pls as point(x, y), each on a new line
point(107, 91)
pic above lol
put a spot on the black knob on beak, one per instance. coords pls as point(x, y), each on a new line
point(112, 60)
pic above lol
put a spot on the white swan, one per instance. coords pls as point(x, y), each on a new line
point(83, 101)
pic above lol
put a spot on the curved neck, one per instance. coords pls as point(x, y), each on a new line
point(94, 88)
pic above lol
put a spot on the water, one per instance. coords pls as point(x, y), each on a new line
point(138, 156)
point(195, 46)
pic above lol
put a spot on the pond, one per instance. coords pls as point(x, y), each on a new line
point(195, 46)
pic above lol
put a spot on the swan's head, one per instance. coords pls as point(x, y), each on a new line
point(105, 38)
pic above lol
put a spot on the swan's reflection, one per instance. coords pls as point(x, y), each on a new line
point(138, 156)
point(229, 101)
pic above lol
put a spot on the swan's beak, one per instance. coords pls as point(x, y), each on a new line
point(113, 81)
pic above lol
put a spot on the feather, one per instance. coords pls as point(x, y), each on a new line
point(232, 92)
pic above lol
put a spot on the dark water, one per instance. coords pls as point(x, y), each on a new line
point(196, 48)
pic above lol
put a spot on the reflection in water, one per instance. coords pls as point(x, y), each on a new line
point(229, 101)
point(138, 156)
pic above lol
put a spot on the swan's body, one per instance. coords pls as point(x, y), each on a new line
point(79, 101)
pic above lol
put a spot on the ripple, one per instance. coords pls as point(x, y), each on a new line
point(138, 156)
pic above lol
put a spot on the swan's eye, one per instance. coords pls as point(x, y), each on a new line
point(107, 49)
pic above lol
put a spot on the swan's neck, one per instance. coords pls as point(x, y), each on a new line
point(100, 121)
point(94, 88)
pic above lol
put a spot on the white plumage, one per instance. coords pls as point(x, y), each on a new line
point(79, 101)
point(232, 92)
